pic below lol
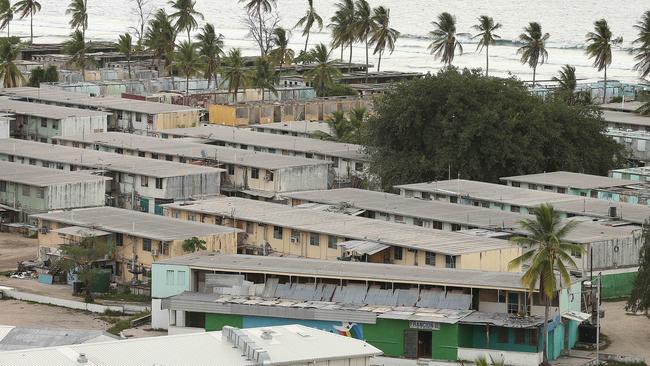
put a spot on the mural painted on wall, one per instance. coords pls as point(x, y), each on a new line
point(352, 330)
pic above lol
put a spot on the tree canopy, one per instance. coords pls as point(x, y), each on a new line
point(462, 123)
point(639, 299)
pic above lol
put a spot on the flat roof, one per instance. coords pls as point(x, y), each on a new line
point(576, 205)
point(640, 170)
point(627, 118)
point(569, 180)
point(344, 225)
point(619, 106)
point(45, 110)
point(356, 271)
point(65, 97)
point(135, 223)
point(305, 127)
point(100, 159)
point(586, 232)
point(286, 345)
point(274, 141)
point(193, 150)
point(43, 177)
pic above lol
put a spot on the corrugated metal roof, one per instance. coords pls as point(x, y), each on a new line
point(45, 110)
point(569, 180)
point(43, 177)
point(361, 247)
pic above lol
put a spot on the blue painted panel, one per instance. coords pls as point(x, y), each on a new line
point(169, 280)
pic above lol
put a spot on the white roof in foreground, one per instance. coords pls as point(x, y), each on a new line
point(287, 345)
point(118, 220)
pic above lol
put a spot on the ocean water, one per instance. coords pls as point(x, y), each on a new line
point(566, 21)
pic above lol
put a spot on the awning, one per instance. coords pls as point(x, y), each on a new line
point(9, 208)
point(576, 315)
point(82, 232)
point(361, 247)
point(258, 193)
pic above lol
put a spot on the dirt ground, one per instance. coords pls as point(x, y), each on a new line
point(629, 334)
point(20, 313)
point(32, 285)
point(14, 248)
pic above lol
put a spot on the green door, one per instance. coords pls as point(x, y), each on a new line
point(144, 204)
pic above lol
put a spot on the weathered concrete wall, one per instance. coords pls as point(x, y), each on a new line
point(76, 195)
point(302, 178)
point(204, 184)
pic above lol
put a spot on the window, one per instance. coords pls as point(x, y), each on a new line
point(55, 125)
point(515, 184)
point(561, 190)
point(515, 208)
point(231, 169)
point(358, 167)
point(141, 154)
point(257, 148)
point(277, 232)
point(532, 337)
point(170, 278)
point(335, 162)
point(250, 228)
point(159, 183)
point(163, 248)
point(520, 336)
point(255, 173)
point(532, 186)
point(501, 296)
point(331, 242)
point(119, 150)
point(576, 253)
point(426, 195)
point(314, 239)
point(180, 278)
point(436, 225)
point(3, 186)
point(430, 258)
point(417, 222)
point(169, 158)
point(10, 158)
point(32, 162)
point(271, 151)
point(502, 335)
point(154, 156)
point(269, 176)
point(450, 261)
point(399, 218)
point(59, 166)
point(398, 253)
point(455, 227)
point(453, 199)
point(309, 155)
point(295, 236)
point(146, 245)
point(144, 181)
point(26, 191)
point(243, 147)
point(44, 123)
point(190, 216)
point(40, 192)
point(119, 239)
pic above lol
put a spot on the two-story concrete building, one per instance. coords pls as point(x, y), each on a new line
point(275, 229)
point(247, 173)
point(294, 128)
point(26, 190)
point(41, 122)
point(137, 239)
point(348, 160)
point(137, 183)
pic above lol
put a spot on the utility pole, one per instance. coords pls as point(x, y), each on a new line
point(598, 319)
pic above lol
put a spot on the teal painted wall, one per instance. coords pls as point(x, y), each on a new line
point(570, 299)
point(555, 342)
point(572, 328)
point(169, 280)
point(475, 336)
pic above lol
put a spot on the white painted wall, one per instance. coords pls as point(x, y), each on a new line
point(159, 317)
point(509, 357)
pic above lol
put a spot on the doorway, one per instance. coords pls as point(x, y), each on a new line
point(424, 344)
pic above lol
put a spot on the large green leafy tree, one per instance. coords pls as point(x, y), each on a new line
point(160, 38)
point(78, 49)
point(566, 84)
point(486, 28)
point(9, 72)
point(6, 15)
point(324, 74)
point(642, 45)
point(308, 21)
point(185, 16)
point(81, 257)
point(211, 49)
point(443, 38)
point(383, 36)
point(40, 75)
point(28, 8)
point(599, 47)
point(235, 73)
point(481, 128)
point(193, 244)
point(639, 299)
point(546, 251)
point(533, 52)
point(189, 63)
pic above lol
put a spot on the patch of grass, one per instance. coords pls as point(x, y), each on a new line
point(126, 297)
point(120, 324)
point(109, 312)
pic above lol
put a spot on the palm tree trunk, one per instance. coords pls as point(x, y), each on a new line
point(367, 63)
point(534, 71)
point(189, 36)
point(342, 48)
point(545, 340)
point(187, 89)
point(8, 35)
point(259, 16)
point(487, 59)
point(379, 63)
point(31, 28)
point(605, 87)
point(262, 94)
point(350, 63)
point(307, 40)
point(128, 65)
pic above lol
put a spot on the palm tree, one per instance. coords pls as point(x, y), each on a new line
point(567, 83)
point(265, 76)
point(235, 73)
point(363, 25)
point(486, 26)
point(77, 48)
point(78, 9)
point(547, 251)
point(339, 128)
point(188, 62)
point(6, 15)
point(324, 74)
point(383, 36)
point(125, 46)
point(342, 25)
point(211, 49)
point(533, 52)
point(308, 21)
point(444, 41)
point(599, 47)
point(25, 8)
point(281, 54)
point(160, 38)
point(9, 72)
point(643, 41)
point(257, 7)
point(185, 16)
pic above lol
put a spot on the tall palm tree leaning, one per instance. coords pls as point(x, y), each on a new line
point(533, 52)
point(235, 73)
point(547, 251)
point(383, 36)
point(363, 25)
point(78, 10)
point(444, 43)
point(310, 19)
point(78, 49)
point(324, 74)
point(486, 26)
point(642, 45)
point(281, 54)
point(599, 47)
point(257, 7)
point(125, 46)
point(9, 72)
point(567, 83)
point(185, 16)
point(25, 8)
point(265, 76)
point(6, 15)
point(211, 49)
point(342, 26)
point(189, 63)
point(160, 39)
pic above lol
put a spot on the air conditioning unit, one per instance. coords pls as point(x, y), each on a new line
point(154, 252)
point(294, 240)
